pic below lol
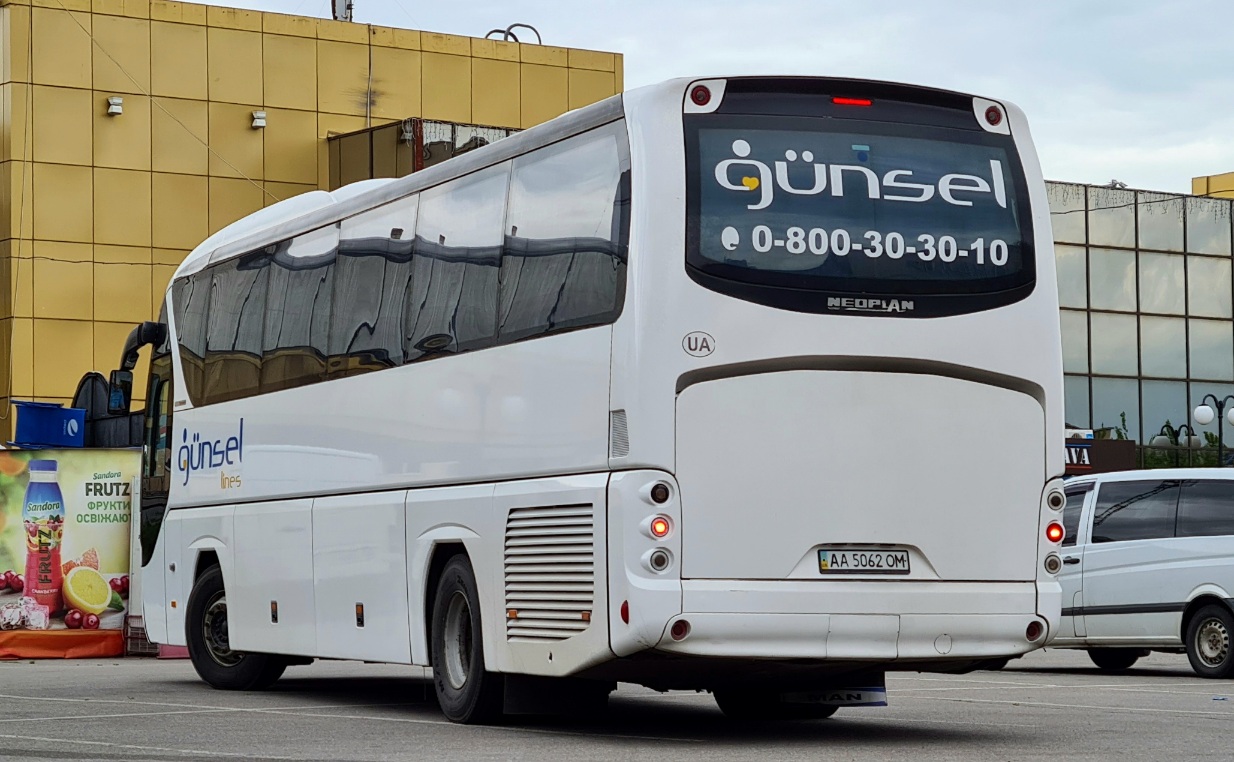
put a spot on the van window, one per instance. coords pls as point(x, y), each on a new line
point(1206, 508)
point(1140, 510)
point(1071, 516)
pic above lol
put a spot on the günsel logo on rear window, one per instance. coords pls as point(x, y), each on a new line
point(892, 185)
point(792, 207)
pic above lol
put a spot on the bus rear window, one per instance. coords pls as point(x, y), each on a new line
point(852, 207)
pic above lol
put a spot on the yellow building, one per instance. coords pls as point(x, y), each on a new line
point(1217, 186)
point(97, 208)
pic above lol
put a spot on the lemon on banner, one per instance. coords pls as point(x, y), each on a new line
point(85, 589)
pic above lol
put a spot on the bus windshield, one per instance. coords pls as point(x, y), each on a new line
point(850, 206)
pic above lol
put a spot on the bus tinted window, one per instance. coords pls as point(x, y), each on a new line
point(233, 333)
point(457, 254)
point(192, 297)
point(372, 281)
point(297, 325)
point(1206, 509)
point(564, 260)
point(1140, 510)
point(419, 276)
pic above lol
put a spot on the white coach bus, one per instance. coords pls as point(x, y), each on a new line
point(749, 385)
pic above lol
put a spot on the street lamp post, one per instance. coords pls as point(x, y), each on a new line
point(1170, 436)
point(1204, 415)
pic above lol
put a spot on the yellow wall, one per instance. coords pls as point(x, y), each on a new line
point(96, 211)
point(1217, 186)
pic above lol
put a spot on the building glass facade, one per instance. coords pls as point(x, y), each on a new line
point(1145, 287)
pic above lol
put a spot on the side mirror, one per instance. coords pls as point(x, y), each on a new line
point(120, 392)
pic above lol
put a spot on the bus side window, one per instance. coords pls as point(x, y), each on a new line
point(298, 310)
point(191, 297)
point(234, 329)
point(453, 307)
point(372, 282)
point(563, 264)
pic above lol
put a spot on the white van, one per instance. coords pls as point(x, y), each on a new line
point(1148, 565)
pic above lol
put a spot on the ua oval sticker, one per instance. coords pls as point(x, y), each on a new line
point(698, 344)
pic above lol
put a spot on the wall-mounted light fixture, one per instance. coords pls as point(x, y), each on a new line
point(115, 105)
point(259, 120)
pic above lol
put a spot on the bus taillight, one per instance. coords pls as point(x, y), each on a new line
point(994, 115)
point(841, 101)
point(660, 527)
point(1054, 532)
point(700, 95)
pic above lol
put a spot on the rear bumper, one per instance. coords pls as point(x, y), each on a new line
point(861, 621)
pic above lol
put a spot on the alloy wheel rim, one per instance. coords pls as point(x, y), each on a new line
point(1212, 641)
point(458, 641)
point(214, 632)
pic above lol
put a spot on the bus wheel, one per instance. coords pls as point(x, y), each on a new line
point(1208, 642)
point(762, 706)
point(1114, 659)
point(205, 622)
point(466, 692)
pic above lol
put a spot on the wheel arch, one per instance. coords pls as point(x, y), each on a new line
point(431, 552)
point(204, 553)
point(1204, 598)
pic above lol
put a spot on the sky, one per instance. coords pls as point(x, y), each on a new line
point(1136, 91)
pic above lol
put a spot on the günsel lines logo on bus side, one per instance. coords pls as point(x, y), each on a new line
point(199, 453)
point(893, 185)
point(698, 344)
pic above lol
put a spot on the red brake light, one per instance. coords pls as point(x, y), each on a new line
point(1054, 532)
point(660, 526)
point(679, 630)
point(1033, 631)
point(852, 101)
point(700, 95)
point(994, 116)
point(625, 611)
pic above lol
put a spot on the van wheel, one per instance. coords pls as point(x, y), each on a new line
point(466, 692)
point(762, 706)
point(205, 623)
point(1208, 642)
point(1114, 659)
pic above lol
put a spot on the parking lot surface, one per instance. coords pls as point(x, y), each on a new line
point(1049, 703)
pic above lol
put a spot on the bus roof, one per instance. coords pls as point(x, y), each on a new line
point(315, 209)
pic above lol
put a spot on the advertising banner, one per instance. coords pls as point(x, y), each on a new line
point(65, 521)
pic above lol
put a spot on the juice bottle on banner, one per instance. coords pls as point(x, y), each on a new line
point(43, 515)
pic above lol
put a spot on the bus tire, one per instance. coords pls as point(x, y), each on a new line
point(205, 624)
point(1114, 659)
point(744, 705)
point(1209, 647)
point(467, 693)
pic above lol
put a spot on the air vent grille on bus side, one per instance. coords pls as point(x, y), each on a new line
point(549, 572)
point(618, 434)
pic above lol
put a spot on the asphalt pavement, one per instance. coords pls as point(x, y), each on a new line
point(1049, 704)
